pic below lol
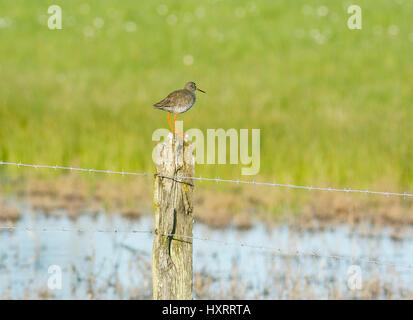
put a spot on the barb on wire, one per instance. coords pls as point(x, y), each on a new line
point(182, 178)
point(274, 250)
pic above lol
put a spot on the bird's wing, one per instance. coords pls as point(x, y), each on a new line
point(167, 102)
point(174, 99)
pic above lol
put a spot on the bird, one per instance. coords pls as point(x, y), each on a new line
point(179, 101)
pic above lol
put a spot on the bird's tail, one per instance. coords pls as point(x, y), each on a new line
point(157, 106)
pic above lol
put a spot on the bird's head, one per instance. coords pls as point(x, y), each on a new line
point(191, 86)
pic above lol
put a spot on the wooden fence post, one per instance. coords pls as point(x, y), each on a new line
point(172, 253)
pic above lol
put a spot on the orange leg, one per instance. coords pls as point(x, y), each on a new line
point(170, 124)
point(179, 133)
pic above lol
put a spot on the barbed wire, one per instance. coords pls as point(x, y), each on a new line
point(274, 250)
point(71, 168)
point(270, 184)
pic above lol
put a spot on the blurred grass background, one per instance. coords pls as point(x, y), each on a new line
point(334, 106)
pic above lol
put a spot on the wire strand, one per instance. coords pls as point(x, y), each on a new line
point(277, 251)
point(270, 184)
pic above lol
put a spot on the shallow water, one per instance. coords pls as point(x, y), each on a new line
point(112, 265)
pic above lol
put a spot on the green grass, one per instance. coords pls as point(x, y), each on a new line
point(337, 113)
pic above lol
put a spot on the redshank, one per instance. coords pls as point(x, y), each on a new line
point(178, 101)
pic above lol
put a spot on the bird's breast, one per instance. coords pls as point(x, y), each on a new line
point(186, 105)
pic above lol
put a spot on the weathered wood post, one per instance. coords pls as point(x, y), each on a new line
point(172, 253)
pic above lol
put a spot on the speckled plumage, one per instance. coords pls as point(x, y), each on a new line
point(179, 101)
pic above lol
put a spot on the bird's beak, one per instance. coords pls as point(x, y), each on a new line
point(200, 90)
